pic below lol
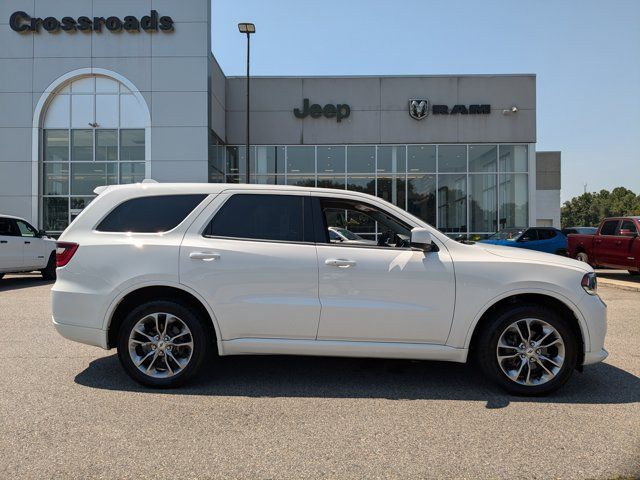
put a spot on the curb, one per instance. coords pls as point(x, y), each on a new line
point(604, 282)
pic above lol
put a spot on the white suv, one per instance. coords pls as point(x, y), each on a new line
point(169, 273)
point(25, 249)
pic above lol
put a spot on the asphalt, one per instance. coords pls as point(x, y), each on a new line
point(69, 411)
point(619, 279)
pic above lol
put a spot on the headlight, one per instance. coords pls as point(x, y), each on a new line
point(590, 283)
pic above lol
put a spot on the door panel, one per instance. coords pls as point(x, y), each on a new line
point(32, 246)
point(10, 246)
point(623, 253)
point(385, 294)
point(259, 289)
point(604, 244)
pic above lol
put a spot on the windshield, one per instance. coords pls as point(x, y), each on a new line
point(511, 234)
point(347, 234)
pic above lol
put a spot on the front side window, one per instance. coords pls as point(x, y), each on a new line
point(609, 228)
point(26, 230)
point(150, 214)
point(529, 235)
point(362, 224)
point(278, 218)
point(628, 227)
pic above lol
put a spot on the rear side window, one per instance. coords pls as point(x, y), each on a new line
point(609, 228)
point(263, 217)
point(8, 228)
point(150, 214)
point(546, 234)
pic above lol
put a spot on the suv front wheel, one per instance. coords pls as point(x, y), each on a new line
point(162, 344)
point(528, 350)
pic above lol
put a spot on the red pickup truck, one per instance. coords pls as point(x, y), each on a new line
point(614, 245)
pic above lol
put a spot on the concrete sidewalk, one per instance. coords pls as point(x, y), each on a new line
point(618, 279)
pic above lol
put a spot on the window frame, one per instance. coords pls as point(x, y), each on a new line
point(308, 223)
point(622, 222)
point(13, 225)
point(615, 228)
point(97, 224)
point(322, 229)
point(29, 227)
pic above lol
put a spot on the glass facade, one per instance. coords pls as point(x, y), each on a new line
point(77, 159)
point(469, 190)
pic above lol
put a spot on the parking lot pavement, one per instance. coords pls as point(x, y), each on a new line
point(69, 411)
point(619, 279)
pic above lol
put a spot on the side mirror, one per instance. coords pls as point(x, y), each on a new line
point(625, 232)
point(42, 233)
point(421, 238)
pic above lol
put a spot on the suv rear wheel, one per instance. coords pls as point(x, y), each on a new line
point(162, 344)
point(528, 350)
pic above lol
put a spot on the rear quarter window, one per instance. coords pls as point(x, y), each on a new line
point(150, 214)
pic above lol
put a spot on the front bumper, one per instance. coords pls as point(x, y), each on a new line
point(595, 357)
point(89, 336)
point(594, 311)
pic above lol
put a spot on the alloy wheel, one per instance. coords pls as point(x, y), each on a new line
point(160, 345)
point(530, 352)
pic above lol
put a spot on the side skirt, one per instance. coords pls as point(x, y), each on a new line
point(336, 348)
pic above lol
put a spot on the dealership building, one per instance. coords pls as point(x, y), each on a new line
point(106, 92)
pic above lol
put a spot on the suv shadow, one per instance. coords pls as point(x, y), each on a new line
point(19, 281)
point(291, 376)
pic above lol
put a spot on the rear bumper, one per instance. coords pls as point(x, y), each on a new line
point(89, 336)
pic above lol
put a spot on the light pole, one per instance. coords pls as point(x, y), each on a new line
point(247, 28)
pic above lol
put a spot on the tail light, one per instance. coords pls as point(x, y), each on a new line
point(64, 252)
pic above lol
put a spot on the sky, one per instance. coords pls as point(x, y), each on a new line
point(585, 53)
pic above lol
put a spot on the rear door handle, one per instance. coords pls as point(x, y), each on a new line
point(208, 256)
point(26, 242)
point(340, 262)
point(3, 241)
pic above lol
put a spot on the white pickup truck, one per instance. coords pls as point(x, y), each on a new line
point(25, 249)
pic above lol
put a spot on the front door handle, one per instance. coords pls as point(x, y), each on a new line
point(207, 256)
point(3, 241)
point(340, 262)
point(26, 242)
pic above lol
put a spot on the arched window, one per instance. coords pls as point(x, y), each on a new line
point(93, 134)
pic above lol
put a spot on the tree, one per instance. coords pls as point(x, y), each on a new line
point(589, 208)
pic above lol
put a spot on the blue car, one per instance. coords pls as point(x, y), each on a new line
point(541, 239)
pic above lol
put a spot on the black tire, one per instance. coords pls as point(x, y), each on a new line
point(49, 272)
point(583, 257)
point(631, 272)
point(200, 336)
point(487, 342)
